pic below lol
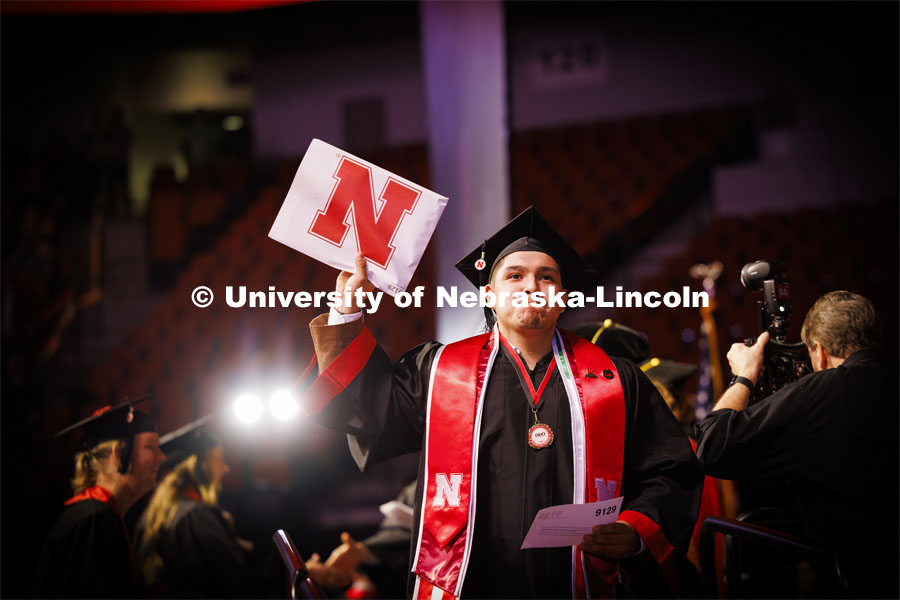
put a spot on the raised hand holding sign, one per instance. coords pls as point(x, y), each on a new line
point(340, 205)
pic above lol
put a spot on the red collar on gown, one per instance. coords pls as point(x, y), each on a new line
point(192, 494)
point(95, 492)
point(102, 494)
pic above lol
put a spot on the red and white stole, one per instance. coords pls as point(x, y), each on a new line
point(453, 422)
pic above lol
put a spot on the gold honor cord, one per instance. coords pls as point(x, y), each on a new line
point(606, 324)
point(653, 362)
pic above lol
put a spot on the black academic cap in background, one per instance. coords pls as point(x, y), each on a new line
point(193, 438)
point(120, 422)
point(616, 340)
point(669, 372)
point(621, 341)
point(527, 232)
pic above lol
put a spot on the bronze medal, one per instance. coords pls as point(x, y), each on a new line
point(540, 436)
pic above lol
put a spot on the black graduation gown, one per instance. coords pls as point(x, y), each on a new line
point(383, 411)
point(201, 555)
point(86, 555)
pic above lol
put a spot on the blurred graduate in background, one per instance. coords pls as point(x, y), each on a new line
point(88, 553)
point(186, 544)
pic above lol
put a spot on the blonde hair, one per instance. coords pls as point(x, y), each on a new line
point(842, 322)
point(191, 473)
point(89, 464)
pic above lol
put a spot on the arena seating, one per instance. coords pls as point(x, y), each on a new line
point(185, 218)
point(191, 358)
point(823, 250)
point(623, 178)
point(615, 176)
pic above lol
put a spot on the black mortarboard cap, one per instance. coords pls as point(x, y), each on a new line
point(120, 422)
point(527, 232)
point(193, 438)
point(616, 340)
point(112, 423)
point(669, 372)
point(619, 340)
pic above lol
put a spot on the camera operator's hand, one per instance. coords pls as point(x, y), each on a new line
point(747, 361)
point(350, 282)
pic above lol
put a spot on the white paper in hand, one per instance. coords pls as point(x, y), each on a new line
point(567, 524)
point(339, 205)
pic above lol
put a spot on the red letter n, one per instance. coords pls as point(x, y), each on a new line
point(375, 228)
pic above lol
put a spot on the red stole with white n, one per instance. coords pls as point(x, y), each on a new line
point(453, 422)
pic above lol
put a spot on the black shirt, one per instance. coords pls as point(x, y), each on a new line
point(834, 433)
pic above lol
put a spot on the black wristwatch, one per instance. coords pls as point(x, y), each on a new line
point(744, 380)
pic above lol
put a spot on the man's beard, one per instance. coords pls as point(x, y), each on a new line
point(532, 319)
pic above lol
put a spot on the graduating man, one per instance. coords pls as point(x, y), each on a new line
point(509, 422)
point(88, 553)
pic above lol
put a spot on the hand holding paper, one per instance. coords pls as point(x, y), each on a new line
point(613, 540)
point(567, 524)
point(348, 283)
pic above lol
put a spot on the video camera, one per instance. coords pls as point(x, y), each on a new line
point(783, 362)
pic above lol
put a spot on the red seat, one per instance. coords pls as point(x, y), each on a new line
point(205, 207)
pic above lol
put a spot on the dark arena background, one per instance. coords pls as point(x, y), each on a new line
point(147, 147)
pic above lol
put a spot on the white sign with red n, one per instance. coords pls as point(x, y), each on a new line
point(339, 205)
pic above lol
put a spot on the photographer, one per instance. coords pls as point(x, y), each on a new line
point(833, 432)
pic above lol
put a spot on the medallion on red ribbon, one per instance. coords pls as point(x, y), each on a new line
point(539, 435)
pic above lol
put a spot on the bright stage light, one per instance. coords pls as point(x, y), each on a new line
point(283, 405)
point(248, 408)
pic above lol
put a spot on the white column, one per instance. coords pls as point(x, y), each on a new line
point(464, 60)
